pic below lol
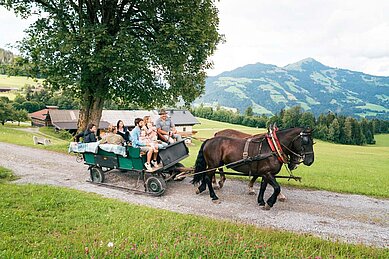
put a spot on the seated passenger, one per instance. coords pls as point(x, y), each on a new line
point(144, 147)
point(166, 128)
point(122, 130)
point(150, 132)
point(89, 135)
point(111, 137)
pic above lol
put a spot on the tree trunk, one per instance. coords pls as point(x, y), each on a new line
point(90, 112)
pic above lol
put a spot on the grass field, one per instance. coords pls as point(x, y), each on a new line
point(339, 168)
point(52, 222)
point(208, 127)
point(6, 175)
point(17, 81)
point(10, 133)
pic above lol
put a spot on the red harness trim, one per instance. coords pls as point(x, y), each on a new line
point(280, 153)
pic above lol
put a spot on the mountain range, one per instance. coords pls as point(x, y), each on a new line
point(308, 83)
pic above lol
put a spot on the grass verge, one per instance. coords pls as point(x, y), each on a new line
point(44, 221)
point(6, 175)
point(21, 136)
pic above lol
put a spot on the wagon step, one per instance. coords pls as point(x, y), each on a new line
point(117, 187)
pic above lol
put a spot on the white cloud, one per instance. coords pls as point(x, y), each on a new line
point(11, 28)
point(347, 34)
point(350, 34)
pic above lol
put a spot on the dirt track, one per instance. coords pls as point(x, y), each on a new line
point(350, 218)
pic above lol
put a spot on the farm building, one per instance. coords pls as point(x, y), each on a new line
point(67, 119)
point(40, 118)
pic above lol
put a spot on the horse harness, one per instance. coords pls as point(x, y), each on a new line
point(274, 145)
point(276, 149)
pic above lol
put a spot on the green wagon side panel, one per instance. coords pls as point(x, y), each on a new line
point(132, 161)
point(89, 158)
point(133, 152)
point(129, 163)
point(105, 153)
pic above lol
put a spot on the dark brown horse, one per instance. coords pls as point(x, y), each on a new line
point(238, 134)
point(220, 151)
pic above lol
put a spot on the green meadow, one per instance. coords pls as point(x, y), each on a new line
point(50, 222)
point(20, 135)
point(18, 82)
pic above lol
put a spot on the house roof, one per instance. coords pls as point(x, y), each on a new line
point(72, 125)
point(182, 117)
point(40, 115)
point(67, 119)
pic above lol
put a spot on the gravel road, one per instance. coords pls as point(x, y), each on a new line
point(333, 216)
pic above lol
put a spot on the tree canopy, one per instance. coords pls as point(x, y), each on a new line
point(143, 52)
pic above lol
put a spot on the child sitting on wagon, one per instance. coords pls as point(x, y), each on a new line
point(138, 142)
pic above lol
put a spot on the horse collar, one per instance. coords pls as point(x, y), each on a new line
point(275, 146)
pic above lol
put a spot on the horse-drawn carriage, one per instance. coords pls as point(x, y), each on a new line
point(104, 158)
point(255, 156)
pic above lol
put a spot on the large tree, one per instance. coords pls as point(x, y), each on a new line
point(147, 52)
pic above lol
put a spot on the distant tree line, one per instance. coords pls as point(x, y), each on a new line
point(329, 127)
point(9, 113)
point(31, 99)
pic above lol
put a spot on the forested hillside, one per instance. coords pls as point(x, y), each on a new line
point(307, 83)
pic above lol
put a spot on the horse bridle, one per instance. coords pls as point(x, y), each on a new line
point(301, 156)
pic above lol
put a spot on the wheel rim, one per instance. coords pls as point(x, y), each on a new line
point(155, 185)
point(96, 175)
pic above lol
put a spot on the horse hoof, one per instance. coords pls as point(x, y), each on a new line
point(216, 201)
point(261, 204)
point(251, 193)
point(197, 191)
point(215, 187)
point(266, 207)
point(282, 199)
point(221, 185)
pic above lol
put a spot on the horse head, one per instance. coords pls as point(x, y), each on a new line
point(302, 146)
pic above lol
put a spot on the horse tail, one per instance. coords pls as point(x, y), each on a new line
point(200, 165)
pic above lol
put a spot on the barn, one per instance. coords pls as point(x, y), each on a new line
point(67, 119)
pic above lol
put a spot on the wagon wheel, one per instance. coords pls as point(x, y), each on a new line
point(97, 175)
point(176, 172)
point(79, 158)
point(155, 185)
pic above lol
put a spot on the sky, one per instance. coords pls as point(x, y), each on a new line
point(350, 34)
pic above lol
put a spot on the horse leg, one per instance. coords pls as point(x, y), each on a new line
point(273, 198)
point(281, 197)
point(262, 189)
point(202, 187)
point(251, 185)
point(211, 190)
point(222, 178)
point(215, 186)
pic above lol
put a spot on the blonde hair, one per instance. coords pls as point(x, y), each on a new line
point(146, 118)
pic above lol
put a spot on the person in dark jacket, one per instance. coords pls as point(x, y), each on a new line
point(89, 135)
point(122, 130)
